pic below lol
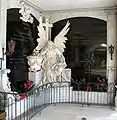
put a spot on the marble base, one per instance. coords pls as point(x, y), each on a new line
point(35, 77)
point(65, 94)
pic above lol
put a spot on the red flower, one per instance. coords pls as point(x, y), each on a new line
point(10, 49)
point(88, 89)
point(23, 96)
point(28, 84)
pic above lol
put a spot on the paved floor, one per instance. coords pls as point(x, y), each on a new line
point(76, 112)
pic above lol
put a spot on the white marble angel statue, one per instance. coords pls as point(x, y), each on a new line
point(49, 55)
point(5, 81)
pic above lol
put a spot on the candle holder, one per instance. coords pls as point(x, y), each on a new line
point(111, 51)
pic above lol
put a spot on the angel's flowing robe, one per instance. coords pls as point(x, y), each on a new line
point(53, 63)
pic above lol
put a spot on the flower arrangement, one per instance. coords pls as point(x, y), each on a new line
point(28, 85)
point(23, 96)
point(25, 87)
point(81, 85)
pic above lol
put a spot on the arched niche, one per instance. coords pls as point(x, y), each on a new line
point(20, 42)
point(85, 33)
point(98, 14)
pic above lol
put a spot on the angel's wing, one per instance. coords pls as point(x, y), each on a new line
point(42, 40)
point(60, 39)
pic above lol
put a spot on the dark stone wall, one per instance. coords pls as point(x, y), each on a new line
point(24, 36)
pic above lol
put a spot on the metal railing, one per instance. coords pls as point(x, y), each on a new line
point(53, 93)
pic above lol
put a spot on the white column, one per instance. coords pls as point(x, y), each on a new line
point(111, 40)
point(3, 24)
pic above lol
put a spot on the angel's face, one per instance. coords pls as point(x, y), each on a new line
point(50, 44)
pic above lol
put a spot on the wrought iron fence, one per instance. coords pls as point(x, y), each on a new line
point(53, 93)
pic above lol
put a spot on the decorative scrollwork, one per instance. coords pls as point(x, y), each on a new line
point(25, 13)
point(111, 69)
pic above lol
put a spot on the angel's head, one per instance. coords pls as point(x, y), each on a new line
point(50, 45)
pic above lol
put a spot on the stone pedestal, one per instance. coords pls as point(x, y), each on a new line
point(35, 77)
point(65, 75)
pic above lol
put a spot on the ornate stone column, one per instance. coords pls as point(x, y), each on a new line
point(111, 40)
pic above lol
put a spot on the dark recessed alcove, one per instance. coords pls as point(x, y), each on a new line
point(22, 37)
point(85, 36)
